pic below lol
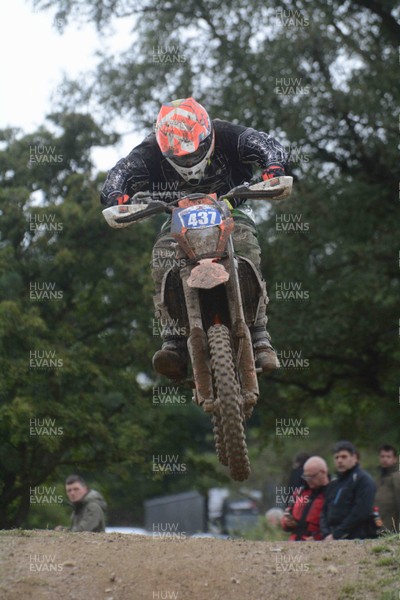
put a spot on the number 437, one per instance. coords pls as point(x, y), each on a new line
point(202, 217)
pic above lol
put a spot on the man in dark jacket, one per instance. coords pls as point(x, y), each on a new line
point(88, 505)
point(302, 516)
point(388, 493)
point(190, 153)
point(349, 502)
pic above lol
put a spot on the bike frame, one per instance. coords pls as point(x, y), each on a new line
point(208, 269)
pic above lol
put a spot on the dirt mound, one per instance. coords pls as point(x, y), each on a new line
point(50, 565)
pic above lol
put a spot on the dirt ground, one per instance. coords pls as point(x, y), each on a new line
point(52, 565)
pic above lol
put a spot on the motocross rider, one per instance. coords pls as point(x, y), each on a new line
point(191, 153)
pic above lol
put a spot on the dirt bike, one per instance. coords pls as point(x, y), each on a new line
point(211, 295)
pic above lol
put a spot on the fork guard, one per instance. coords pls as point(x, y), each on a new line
point(199, 356)
point(246, 366)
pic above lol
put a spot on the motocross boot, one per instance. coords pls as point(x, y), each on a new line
point(172, 360)
point(264, 354)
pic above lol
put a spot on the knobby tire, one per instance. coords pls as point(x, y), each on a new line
point(229, 400)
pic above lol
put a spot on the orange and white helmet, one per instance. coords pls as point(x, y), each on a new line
point(186, 137)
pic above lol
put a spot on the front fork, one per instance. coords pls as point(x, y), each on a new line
point(198, 346)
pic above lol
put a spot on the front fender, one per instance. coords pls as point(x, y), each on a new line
point(207, 274)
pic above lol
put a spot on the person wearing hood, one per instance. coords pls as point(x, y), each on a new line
point(388, 493)
point(88, 505)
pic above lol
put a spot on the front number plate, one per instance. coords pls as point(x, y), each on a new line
point(196, 217)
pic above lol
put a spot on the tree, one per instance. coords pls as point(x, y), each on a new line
point(75, 330)
point(321, 77)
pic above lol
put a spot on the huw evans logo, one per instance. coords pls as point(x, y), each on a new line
point(287, 495)
point(44, 154)
point(290, 290)
point(163, 327)
point(290, 86)
point(165, 595)
point(166, 395)
point(44, 222)
point(40, 359)
point(168, 531)
point(168, 464)
point(45, 426)
point(290, 563)
point(292, 359)
point(292, 18)
point(166, 259)
point(291, 427)
point(42, 494)
point(291, 223)
point(43, 290)
point(297, 154)
point(44, 562)
point(168, 54)
point(165, 187)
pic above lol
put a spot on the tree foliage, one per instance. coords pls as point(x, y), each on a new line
point(76, 329)
point(321, 77)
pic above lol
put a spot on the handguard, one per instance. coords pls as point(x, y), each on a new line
point(281, 185)
point(117, 216)
point(276, 188)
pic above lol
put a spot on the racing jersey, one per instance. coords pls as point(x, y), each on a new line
point(238, 151)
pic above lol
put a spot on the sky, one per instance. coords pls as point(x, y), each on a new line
point(35, 56)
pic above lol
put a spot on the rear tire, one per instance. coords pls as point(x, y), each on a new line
point(230, 403)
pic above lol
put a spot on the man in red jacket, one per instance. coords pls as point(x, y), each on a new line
point(303, 513)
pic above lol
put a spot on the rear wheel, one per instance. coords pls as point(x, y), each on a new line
point(230, 403)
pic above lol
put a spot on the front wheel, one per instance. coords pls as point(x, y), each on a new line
point(230, 402)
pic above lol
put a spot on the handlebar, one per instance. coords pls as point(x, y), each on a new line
point(143, 205)
point(253, 191)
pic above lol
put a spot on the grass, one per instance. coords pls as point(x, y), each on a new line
point(387, 561)
point(18, 532)
point(390, 595)
point(348, 592)
point(379, 549)
point(382, 561)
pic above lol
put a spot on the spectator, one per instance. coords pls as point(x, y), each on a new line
point(388, 493)
point(349, 502)
point(88, 505)
point(303, 514)
point(295, 477)
point(273, 516)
